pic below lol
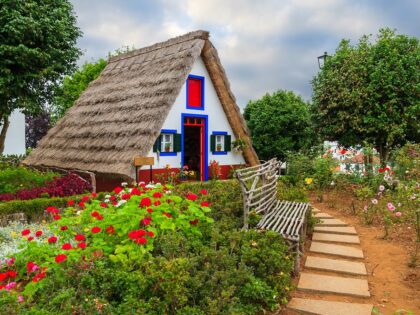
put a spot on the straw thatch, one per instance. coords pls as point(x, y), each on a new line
point(120, 114)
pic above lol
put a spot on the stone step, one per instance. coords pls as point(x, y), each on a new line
point(323, 215)
point(336, 265)
point(315, 210)
point(337, 250)
point(318, 307)
point(336, 238)
point(331, 222)
point(333, 284)
point(347, 230)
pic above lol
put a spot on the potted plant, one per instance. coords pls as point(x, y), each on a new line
point(238, 145)
point(167, 147)
point(219, 147)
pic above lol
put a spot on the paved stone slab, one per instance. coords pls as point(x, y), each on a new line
point(315, 210)
point(333, 284)
point(331, 222)
point(337, 250)
point(323, 215)
point(318, 307)
point(336, 238)
point(347, 230)
point(336, 265)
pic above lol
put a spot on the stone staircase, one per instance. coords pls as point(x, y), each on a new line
point(333, 267)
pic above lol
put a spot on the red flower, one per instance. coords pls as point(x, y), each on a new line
point(52, 239)
point(380, 170)
point(70, 203)
point(157, 195)
point(125, 196)
point(135, 191)
point(63, 228)
point(117, 190)
point(103, 205)
point(387, 169)
point(66, 246)
point(96, 229)
point(56, 217)
point(99, 217)
point(81, 204)
point(114, 203)
point(12, 273)
point(151, 234)
point(157, 203)
point(38, 233)
point(343, 151)
point(150, 210)
point(52, 210)
point(205, 204)
point(194, 222)
point(94, 214)
point(141, 240)
point(31, 267)
point(60, 258)
point(94, 194)
point(3, 276)
point(145, 202)
point(112, 198)
point(26, 232)
point(146, 221)
point(81, 245)
point(80, 237)
point(85, 199)
point(136, 234)
point(203, 192)
point(168, 215)
point(191, 196)
point(110, 230)
point(30, 238)
point(39, 277)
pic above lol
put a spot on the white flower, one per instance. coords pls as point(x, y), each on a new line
point(375, 201)
point(332, 183)
point(107, 196)
point(150, 186)
point(106, 200)
point(168, 192)
point(381, 188)
point(124, 184)
point(399, 204)
point(78, 212)
point(142, 183)
point(121, 202)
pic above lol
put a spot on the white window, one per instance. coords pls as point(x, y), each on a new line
point(167, 142)
point(220, 143)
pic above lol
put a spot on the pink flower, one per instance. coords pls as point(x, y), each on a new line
point(10, 285)
point(375, 201)
point(398, 214)
point(20, 299)
point(390, 206)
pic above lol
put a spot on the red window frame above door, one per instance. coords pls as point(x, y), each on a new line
point(195, 92)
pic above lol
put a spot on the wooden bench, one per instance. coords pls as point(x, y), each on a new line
point(259, 189)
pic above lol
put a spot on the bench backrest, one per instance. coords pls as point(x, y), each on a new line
point(259, 187)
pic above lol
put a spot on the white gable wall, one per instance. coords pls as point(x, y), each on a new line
point(15, 136)
point(217, 121)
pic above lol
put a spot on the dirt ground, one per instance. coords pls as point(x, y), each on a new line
point(393, 285)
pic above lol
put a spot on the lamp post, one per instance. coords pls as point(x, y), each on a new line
point(322, 59)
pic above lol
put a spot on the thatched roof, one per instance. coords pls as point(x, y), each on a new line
point(121, 113)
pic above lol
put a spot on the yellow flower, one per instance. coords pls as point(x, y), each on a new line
point(13, 234)
point(86, 229)
point(309, 180)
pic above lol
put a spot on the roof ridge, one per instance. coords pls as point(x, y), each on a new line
point(199, 34)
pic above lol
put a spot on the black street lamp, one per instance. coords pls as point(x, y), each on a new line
point(322, 59)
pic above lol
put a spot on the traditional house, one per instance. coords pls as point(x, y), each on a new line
point(170, 102)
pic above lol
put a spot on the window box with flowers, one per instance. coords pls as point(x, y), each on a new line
point(220, 143)
point(168, 143)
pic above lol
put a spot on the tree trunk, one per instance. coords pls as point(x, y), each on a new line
point(383, 155)
point(4, 126)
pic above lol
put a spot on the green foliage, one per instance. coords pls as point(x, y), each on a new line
point(324, 168)
point(369, 92)
point(13, 179)
point(407, 160)
point(34, 208)
point(279, 123)
point(37, 47)
point(299, 167)
point(73, 86)
point(11, 160)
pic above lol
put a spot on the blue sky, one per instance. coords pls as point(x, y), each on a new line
point(264, 45)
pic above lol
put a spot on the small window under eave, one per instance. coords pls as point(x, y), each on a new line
point(195, 92)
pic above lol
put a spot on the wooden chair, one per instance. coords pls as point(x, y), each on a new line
point(259, 189)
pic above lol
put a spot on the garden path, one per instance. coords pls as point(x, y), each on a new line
point(333, 267)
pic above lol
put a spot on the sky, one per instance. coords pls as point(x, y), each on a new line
point(264, 45)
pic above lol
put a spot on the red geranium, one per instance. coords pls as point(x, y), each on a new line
point(203, 192)
point(136, 234)
point(125, 196)
point(52, 239)
point(112, 198)
point(205, 204)
point(57, 217)
point(387, 169)
point(141, 240)
point(146, 221)
point(30, 238)
point(81, 245)
point(380, 170)
point(194, 222)
point(94, 214)
point(39, 277)
point(145, 202)
point(96, 229)
point(157, 203)
point(110, 229)
point(12, 273)
point(85, 198)
point(38, 233)
point(70, 203)
point(117, 190)
point(31, 267)
point(135, 191)
point(52, 210)
point(150, 210)
point(80, 237)
point(3, 276)
point(94, 194)
point(103, 205)
point(192, 196)
point(63, 228)
point(157, 195)
point(99, 217)
point(60, 258)
point(151, 234)
point(81, 204)
point(168, 215)
point(66, 246)
point(26, 232)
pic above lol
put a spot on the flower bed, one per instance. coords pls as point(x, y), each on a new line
point(149, 250)
point(68, 185)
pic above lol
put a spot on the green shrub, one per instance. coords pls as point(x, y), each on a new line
point(13, 179)
point(286, 191)
point(299, 167)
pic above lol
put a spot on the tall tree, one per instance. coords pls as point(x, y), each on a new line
point(370, 92)
point(37, 48)
point(73, 86)
point(279, 123)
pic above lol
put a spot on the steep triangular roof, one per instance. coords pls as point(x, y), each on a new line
point(121, 113)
